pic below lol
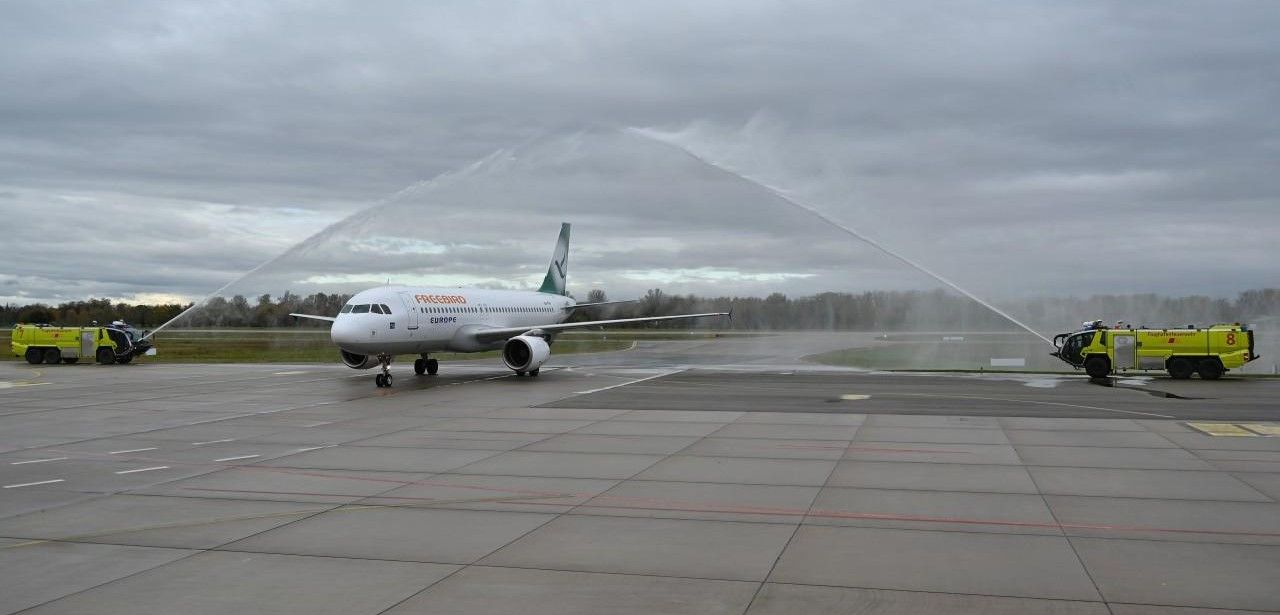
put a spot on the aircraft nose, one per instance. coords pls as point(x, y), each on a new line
point(344, 332)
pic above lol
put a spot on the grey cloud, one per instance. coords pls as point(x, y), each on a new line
point(985, 139)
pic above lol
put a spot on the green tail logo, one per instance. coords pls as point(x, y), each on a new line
point(558, 271)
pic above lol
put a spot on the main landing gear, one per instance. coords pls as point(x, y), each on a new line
point(383, 380)
point(426, 365)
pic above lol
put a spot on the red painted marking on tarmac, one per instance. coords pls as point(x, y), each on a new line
point(676, 506)
point(393, 497)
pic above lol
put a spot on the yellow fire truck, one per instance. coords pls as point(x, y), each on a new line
point(115, 343)
point(1209, 351)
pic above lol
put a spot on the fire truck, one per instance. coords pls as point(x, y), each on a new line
point(1207, 351)
point(115, 343)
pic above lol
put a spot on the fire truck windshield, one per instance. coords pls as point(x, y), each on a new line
point(1072, 346)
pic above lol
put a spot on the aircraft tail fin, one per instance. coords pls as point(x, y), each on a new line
point(558, 271)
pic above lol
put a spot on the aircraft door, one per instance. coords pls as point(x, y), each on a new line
point(411, 321)
point(1125, 353)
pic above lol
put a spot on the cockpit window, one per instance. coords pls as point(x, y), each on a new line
point(363, 308)
point(386, 309)
point(346, 308)
point(375, 308)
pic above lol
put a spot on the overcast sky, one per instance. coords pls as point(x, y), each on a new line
point(153, 150)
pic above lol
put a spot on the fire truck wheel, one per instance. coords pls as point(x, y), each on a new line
point(125, 359)
point(52, 356)
point(1179, 368)
point(35, 356)
point(1097, 367)
point(1209, 369)
point(105, 356)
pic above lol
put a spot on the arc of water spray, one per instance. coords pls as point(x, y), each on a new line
point(329, 230)
point(849, 231)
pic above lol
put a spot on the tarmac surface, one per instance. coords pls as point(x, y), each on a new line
point(709, 476)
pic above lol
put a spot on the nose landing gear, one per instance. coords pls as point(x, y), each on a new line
point(383, 380)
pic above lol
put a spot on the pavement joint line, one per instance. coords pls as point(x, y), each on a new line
point(42, 482)
point(19, 463)
point(172, 525)
point(1067, 537)
point(801, 523)
point(133, 450)
point(237, 458)
point(143, 470)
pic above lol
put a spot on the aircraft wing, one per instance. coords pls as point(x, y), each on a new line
point(313, 317)
point(491, 335)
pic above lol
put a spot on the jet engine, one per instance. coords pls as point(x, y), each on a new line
point(525, 353)
point(358, 361)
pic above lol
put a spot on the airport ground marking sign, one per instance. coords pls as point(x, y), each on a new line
point(1235, 430)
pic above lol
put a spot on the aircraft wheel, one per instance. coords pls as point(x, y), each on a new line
point(1097, 367)
point(534, 372)
point(105, 356)
point(1210, 369)
point(1179, 368)
point(433, 366)
point(52, 356)
point(35, 356)
point(520, 374)
point(419, 366)
point(386, 380)
point(379, 380)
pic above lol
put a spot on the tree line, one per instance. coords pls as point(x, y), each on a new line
point(866, 311)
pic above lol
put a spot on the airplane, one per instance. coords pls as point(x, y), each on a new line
point(379, 323)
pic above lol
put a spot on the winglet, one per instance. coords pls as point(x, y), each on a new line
point(557, 272)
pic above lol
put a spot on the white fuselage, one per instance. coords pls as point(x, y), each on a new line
point(423, 320)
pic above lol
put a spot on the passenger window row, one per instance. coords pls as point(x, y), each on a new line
point(382, 308)
point(485, 310)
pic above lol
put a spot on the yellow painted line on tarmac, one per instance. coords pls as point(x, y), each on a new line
point(29, 382)
point(1221, 429)
point(853, 397)
point(1266, 430)
point(14, 385)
